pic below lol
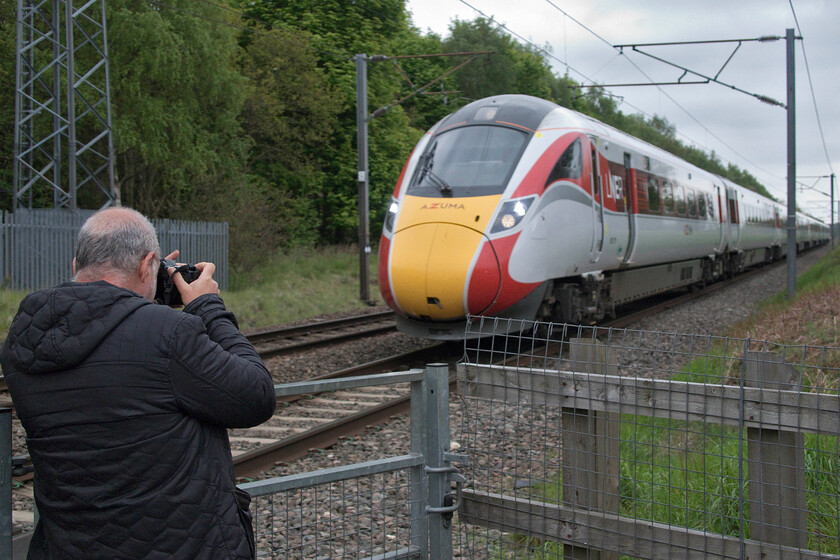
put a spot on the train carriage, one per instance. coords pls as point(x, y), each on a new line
point(516, 207)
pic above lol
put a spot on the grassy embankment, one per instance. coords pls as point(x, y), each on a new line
point(686, 473)
point(286, 287)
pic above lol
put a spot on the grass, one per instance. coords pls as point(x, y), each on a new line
point(300, 284)
point(286, 287)
point(686, 474)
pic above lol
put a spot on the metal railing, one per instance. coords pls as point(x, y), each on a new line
point(37, 246)
point(393, 507)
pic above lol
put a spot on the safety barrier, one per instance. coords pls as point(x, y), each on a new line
point(394, 507)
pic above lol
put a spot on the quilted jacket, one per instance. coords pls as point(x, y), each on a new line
point(125, 405)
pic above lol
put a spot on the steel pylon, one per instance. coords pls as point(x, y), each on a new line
point(63, 137)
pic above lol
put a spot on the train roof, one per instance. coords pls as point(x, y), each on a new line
point(523, 111)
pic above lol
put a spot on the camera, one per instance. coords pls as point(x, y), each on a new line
point(167, 293)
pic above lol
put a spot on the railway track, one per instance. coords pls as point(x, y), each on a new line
point(302, 424)
point(283, 340)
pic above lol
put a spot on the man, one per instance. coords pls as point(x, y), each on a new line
point(126, 405)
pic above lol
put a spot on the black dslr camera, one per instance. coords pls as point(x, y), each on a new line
point(167, 293)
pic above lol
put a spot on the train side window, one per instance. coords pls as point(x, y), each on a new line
point(701, 205)
point(711, 205)
point(569, 165)
point(679, 196)
point(733, 212)
point(692, 202)
point(653, 194)
point(667, 197)
point(596, 177)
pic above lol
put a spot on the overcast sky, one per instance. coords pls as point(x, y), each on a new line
point(739, 128)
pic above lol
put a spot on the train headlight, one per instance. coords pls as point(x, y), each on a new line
point(391, 216)
point(511, 214)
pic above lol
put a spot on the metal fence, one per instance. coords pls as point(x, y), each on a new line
point(37, 246)
point(390, 508)
point(637, 444)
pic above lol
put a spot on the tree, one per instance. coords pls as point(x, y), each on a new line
point(288, 114)
point(176, 99)
point(8, 17)
point(377, 28)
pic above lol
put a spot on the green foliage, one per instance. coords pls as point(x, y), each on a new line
point(177, 98)
point(512, 68)
point(7, 100)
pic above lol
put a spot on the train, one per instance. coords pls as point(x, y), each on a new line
point(516, 207)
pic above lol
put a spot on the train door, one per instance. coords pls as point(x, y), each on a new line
point(629, 206)
point(597, 202)
point(734, 219)
point(721, 221)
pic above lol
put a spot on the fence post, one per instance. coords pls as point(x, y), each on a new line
point(419, 488)
point(436, 396)
point(5, 482)
point(590, 449)
point(776, 460)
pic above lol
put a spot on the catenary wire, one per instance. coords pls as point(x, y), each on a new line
point(666, 94)
point(645, 113)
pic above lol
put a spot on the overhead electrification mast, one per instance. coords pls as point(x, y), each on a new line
point(63, 139)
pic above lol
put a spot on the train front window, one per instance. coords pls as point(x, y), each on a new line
point(468, 161)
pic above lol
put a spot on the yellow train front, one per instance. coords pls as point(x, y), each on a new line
point(452, 224)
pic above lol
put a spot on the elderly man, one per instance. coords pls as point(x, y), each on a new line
point(126, 405)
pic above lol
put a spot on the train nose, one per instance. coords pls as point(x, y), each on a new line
point(430, 268)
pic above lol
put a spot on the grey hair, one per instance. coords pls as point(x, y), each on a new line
point(114, 241)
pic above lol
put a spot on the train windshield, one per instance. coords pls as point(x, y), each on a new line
point(468, 161)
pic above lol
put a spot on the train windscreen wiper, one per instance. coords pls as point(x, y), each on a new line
point(427, 162)
point(444, 187)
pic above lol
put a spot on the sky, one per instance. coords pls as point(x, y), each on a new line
point(579, 37)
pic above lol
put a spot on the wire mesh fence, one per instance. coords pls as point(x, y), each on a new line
point(600, 443)
point(361, 517)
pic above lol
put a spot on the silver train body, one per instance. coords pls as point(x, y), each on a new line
point(516, 207)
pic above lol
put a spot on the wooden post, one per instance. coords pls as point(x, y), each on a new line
point(776, 459)
point(590, 450)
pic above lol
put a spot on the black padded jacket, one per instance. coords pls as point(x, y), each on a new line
point(126, 406)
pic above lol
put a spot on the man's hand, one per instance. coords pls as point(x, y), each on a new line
point(204, 284)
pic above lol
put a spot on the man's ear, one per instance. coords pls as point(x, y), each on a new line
point(74, 266)
point(145, 266)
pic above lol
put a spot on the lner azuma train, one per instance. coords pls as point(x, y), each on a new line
point(516, 207)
